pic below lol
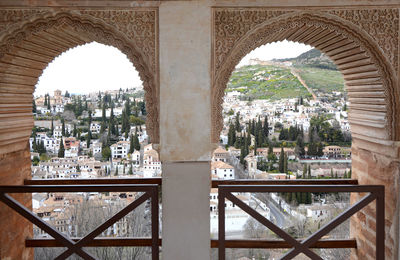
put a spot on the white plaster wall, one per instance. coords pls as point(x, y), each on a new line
point(185, 58)
point(186, 211)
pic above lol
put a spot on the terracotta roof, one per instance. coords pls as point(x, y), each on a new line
point(220, 165)
point(220, 150)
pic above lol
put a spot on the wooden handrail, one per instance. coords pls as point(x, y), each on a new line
point(146, 242)
point(214, 183)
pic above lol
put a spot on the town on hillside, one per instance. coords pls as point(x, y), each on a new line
point(302, 134)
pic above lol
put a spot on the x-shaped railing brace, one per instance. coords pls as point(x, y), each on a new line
point(303, 246)
point(76, 247)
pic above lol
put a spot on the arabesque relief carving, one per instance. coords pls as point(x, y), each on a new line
point(381, 24)
point(239, 31)
point(133, 32)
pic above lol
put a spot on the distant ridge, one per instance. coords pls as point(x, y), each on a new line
point(311, 58)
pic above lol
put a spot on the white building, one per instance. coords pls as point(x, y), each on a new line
point(151, 162)
point(96, 148)
point(120, 149)
point(222, 170)
point(95, 128)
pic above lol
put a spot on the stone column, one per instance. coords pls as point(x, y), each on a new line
point(376, 164)
point(14, 229)
point(185, 127)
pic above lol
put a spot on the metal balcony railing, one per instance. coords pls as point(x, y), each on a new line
point(376, 192)
point(150, 191)
point(226, 187)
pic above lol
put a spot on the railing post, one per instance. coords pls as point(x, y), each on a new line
point(380, 223)
point(154, 224)
point(221, 223)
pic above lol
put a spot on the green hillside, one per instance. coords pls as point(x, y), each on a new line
point(276, 82)
point(265, 82)
point(321, 80)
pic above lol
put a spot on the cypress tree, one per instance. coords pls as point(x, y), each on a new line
point(237, 122)
point(34, 144)
point(282, 161)
point(231, 135)
point(62, 127)
point(116, 171)
point(299, 149)
point(309, 172)
point(45, 100)
point(285, 163)
point(89, 138)
point(131, 146)
point(33, 106)
point(61, 151)
point(75, 131)
point(349, 174)
point(242, 151)
point(266, 127)
point(331, 173)
point(52, 127)
point(130, 170)
point(136, 143)
point(48, 102)
point(103, 116)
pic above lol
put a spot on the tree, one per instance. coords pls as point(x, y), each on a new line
point(52, 127)
point(61, 150)
point(331, 173)
point(309, 172)
point(33, 106)
point(103, 116)
point(75, 131)
point(106, 153)
point(45, 100)
point(285, 163)
point(48, 101)
point(116, 170)
point(266, 127)
point(136, 143)
point(130, 172)
point(237, 122)
point(231, 135)
point(299, 149)
point(282, 161)
point(62, 127)
point(89, 138)
point(131, 145)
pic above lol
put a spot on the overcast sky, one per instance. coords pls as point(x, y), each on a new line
point(94, 66)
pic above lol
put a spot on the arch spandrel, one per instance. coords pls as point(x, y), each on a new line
point(27, 49)
point(369, 76)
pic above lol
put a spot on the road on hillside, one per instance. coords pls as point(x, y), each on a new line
point(294, 72)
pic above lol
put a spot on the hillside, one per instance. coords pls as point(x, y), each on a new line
point(266, 82)
point(275, 79)
point(313, 58)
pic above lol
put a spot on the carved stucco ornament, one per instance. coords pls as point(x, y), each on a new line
point(239, 31)
point(133, 32)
